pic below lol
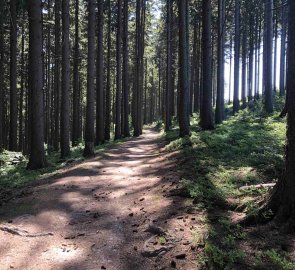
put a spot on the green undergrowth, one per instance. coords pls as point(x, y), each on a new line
point(247, 149)
point(13, 172)
point(227, 164)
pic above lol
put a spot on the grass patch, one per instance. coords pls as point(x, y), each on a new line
point(246, 150)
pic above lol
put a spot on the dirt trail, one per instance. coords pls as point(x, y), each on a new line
point(104, 213)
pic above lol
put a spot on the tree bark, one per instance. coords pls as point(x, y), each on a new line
point(268, 45)
point(13, 78)
point(219, 114)
point(125, 118)
point(108, 82)
point(100, 77)
point(65, 94)
point(169, 67)
point(183, 70)
point(283, 49)
point(118, 131)
point(236, 102)
point(89, 128)
point(206, 117)
point(1, 75)
point(37, 158)
point(76, 134)
point(57, 83)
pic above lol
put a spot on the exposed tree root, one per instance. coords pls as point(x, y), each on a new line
point(23, 233)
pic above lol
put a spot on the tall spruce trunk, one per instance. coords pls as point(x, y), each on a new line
point(37, 158)
point(22, 86)
point(118, 130)
point(65, 93)
point(137, 80)
point(244, 65)
point(125, 78)
point(206, 115)
point(184, 129)
point(1, 75)
point(283, 49)
point(100, 77)
point(13, 77)
point(76, 134)
point(57, 82)
point(169, 86)
point(108, 99)
point(89, 126)
point(236, 102)
point(251, 58)
point(268, 59)
point(219, 113)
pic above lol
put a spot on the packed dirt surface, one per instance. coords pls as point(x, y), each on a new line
point(122, 210)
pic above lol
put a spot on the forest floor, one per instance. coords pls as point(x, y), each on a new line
point(121, 210)
point(153, 202)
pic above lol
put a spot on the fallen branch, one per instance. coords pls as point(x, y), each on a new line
point(258, 186)
point(23, 233)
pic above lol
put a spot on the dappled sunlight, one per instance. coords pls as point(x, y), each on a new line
point(89, 213)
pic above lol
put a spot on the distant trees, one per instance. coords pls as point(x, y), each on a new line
point(146, 68)
point(281, 203)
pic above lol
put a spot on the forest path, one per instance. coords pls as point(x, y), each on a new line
point(104, 213)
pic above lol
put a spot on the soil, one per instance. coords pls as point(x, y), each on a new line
point(121, 210)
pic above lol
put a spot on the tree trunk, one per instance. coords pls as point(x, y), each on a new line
point(65, 94)
point(169, 67)
point(57, 84)
point(89, 128)
point(183, 70)
point(282, 200)
point(219, 114)
point(236, 102)
point(76, 134)
point(251, 57)
point(37, 158)
point(206, 117)
point(118, 131)
point(244, 65)
point(283, 49)
point(1, 75)
point(100, 77)
point(108, 78)
point(22, 82)
point(125, 118)
point(268, 44)
point(13, 77)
